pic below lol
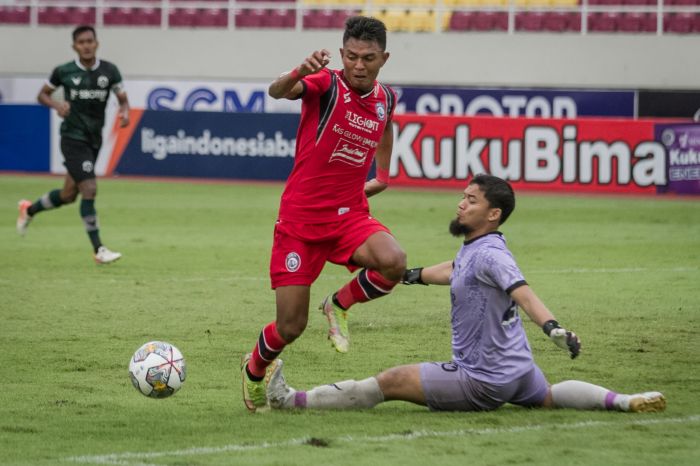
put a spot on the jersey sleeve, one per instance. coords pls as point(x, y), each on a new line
point(117, 82)
point(316, 84)
point(498, 268)
point(55, 78)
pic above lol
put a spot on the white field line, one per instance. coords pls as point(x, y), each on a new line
point(137, 458)
point(325, 276)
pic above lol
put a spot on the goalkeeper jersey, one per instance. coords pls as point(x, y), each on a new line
point(488, 338)
point(87, 91)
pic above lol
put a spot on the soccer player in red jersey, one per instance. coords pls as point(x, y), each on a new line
point(324, 214)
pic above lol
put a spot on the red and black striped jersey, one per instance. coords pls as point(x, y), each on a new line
point(338, 135)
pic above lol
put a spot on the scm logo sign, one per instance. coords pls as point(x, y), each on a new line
point(205, 99)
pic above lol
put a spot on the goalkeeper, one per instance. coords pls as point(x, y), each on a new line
point(492, 361)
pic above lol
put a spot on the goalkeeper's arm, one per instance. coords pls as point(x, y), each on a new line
point(538, 312)
point(434, 275)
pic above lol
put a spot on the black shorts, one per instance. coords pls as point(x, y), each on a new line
point(79, 158)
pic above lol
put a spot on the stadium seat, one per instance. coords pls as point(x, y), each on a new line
point(420, 21)
point(490, 21)
point(679, 23)
point(279, 18)
point(213, 17)
point(602, 22)
point(14, 15)
point(53, 15)
point(529, 21)
point(249, 18)
point(183, 17)
point(461, 21)
point(395, 20)
point(146, 17)
point(561, 21)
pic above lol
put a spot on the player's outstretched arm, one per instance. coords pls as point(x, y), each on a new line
point(538, 312)
point(288, 85)
point(438, 274)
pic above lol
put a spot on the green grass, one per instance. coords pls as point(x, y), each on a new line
point(621, 272)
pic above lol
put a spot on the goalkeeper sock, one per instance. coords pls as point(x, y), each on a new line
point(342, 395)
point(583, 395)
point(365, 286)
point(270, 344)
point(50, 200)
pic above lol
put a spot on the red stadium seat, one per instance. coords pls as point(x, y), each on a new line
point(529, 21)
point(183, 17)
point(679, 23)
point(602, 22)
point(317, 19)
point(213, 17)
point(14, 15)
point(460, 21)
point(249, 18)
point(53, 15)
point(561, 21)
point(279, 18)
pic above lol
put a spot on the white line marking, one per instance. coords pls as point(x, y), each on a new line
point(135, 458)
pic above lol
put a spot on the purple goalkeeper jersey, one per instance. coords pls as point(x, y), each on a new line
point(488, 339)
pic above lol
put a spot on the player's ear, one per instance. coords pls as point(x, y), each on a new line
point(385, 56)
point(495, 215)
point(341, 52)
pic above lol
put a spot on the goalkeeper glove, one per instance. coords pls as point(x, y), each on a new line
point(412, 276)
point(562, 337)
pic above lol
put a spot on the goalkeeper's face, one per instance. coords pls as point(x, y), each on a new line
point(475, 216)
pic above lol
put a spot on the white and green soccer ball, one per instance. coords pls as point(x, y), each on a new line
point(157, 369)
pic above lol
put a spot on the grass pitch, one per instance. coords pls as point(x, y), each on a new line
point(621, 272)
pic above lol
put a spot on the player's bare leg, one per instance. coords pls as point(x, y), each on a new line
point(384, 263)
point(50, 200)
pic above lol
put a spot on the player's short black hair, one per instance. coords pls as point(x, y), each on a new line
point(83, 28)
point(498, 192)
point(365, 28)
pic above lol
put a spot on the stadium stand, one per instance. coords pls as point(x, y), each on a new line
point(411, 16)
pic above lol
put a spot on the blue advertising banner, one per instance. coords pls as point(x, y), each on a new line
point(682, 141)
point(24, 138)
point(555, 103)
point(209, 145)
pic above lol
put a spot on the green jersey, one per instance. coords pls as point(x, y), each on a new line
point(87, 91)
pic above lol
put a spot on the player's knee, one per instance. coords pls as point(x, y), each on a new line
point(69, 198)
point(291, 330)
point(394, 265)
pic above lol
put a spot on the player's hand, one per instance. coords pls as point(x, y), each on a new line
point(124, 119)
point(413, 276)
point(63, 109)
point(563, 338)
point(315, 62)
point(374, 186)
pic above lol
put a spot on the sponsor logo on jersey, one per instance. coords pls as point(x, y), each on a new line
point(103, 81)
point(346, 97)
point(293, 262)
point(347, 152)
point(360, 122)
point(89, 94)
point(88, 166)
point(343, 210)
point(76, 80)
point(381, 111)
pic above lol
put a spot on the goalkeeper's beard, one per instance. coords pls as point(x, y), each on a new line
point(457, 229)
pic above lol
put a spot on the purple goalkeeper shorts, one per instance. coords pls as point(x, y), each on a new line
point(448, 387)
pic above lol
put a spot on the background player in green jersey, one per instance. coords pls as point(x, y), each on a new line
point(87, 82)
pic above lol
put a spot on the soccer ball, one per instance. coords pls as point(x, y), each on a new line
point(157, 369)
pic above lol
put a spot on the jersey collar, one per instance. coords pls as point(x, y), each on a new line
point(374, 91)
point(485, 234)
point(94, 67)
